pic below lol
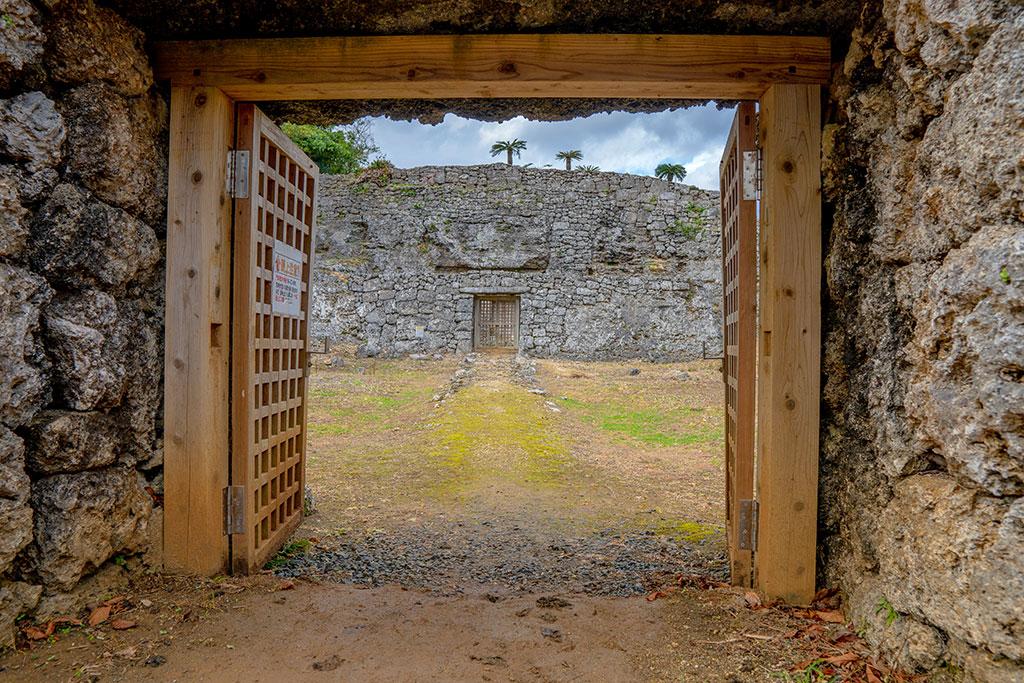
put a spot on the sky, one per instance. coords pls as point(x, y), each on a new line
point(617, 141)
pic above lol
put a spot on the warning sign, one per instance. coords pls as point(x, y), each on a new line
point(287, 291)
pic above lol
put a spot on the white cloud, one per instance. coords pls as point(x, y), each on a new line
point(618, 141)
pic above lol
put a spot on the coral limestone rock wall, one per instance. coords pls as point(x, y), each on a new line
point(606, 265)
point(921, 513)
point(82, 195)
point(923, 441)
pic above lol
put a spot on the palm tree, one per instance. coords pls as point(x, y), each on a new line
point(670, 172)
point(508, 146)
point(588, 168)
point(569, 156)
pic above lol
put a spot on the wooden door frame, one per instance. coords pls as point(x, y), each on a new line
point(783, 73)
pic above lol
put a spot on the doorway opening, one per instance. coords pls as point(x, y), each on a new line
point(784, 75)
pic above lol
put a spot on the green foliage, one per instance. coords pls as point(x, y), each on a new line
point(670, 172)
point(589, 168)
point(1004, 275)
point(514, 146)
point(693, 223)
point(885, 608)
point(813, 673)
point(569, 156)
point(405, 189)
point(338, 150)
point(299, 546)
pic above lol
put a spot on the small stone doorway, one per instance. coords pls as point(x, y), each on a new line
point(496, 322)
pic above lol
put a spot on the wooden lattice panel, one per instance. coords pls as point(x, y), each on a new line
point(739, 316)
point(272, 266)
point(497, 322)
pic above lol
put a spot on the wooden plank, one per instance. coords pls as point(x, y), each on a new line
point(789, 370)
point(739, 276)
point(196, 344)
point(567, 65)
point(243, 342)
point(746, 335)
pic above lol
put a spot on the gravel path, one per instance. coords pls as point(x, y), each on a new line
point(452, 558)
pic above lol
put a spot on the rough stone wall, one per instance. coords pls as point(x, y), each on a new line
point(606, 265)
point(921, 453)
point(82, 204)
point(923, 420)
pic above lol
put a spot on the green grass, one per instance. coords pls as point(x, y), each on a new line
point(650, 426)
point(812, 674)
point(299, 546)
point(341, 411)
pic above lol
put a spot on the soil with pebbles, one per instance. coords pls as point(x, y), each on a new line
point(452, 558)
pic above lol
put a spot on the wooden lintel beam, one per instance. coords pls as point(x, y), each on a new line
point(439, 67)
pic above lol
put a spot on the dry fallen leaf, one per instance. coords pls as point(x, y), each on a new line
point(844, 658)
point(33, 633)
point(286, 585)
point(831, 616)
point(664, 593)
point(122, 624)
point(752, 599)
point(99, 615)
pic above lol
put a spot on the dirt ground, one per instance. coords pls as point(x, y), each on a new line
point(602, 478)
point(477, 520)
point(272, 630)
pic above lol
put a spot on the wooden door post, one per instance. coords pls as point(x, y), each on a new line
point(198, 295)
point(790, 342)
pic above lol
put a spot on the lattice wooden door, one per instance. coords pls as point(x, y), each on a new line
point(497, 322)
point(275, 207)
point(739, 331)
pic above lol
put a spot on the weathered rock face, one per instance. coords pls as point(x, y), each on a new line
point(31, 130)
point(923, 426)
point(921, 450)
point(605, 265)
point(111, 148)
point(82, 194)
point(84, 519)
point(23, 384)
point(15, 513)
point(79, 242)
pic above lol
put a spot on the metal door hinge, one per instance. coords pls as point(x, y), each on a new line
point(238, 173)
point(748, 524)
point(234, 510)
point(752, 175)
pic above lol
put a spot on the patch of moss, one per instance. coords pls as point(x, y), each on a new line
point(481, 421)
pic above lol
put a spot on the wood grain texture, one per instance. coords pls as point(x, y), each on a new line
point(789, 362)
point(269, 347)
point(196, 344)
point(739, 332)
point(566, 65)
